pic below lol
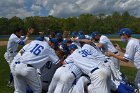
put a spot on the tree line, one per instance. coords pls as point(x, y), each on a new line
point(105, 24)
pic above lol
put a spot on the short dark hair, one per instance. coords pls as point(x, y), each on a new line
point(18, 30)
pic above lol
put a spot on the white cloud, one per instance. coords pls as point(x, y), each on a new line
point(36, 8)
point(77, 7)
point(10, 8)
point(66, 8)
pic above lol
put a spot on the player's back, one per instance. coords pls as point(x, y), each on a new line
point(12, 45)
point(36, 53)
point(108, 46)
point(87, 58)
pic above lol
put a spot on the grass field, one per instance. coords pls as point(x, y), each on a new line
point(4, 73)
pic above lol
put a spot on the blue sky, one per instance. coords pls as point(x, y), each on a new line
point(66, 8)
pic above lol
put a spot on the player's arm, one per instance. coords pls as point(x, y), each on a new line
point(100, 45)
point(29, 32)
point(119, 48)
point(61, 61)
point(23, 49)
point(22, 41)
point(82, 40)
point(111, 54)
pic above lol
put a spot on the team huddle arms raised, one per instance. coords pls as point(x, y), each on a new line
point(78, 64)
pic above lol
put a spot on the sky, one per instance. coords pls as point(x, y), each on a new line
point(66, 8)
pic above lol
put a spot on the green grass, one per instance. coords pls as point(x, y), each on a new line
point(130, 72)
point(121, 44)
point(4, 73)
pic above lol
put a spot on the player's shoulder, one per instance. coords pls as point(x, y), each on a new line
point(13, 36)
point(133, 41)
point(42, 43)
point(103, 37)
point(86, 46)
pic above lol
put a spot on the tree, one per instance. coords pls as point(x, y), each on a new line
point(4, 25)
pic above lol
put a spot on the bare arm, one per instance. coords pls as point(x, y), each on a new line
point(110, 54)
point(82, 40)
point(100, 45)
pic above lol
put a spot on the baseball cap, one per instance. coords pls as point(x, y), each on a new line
point(72, 46)
point(55, 41)
point(81, 36)
point(74, 34)
point(126, 31)
point(80, 33)
point(93, 34)
point(39, 38)
point(58, 34)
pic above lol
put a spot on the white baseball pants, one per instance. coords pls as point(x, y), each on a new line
point(23, 76)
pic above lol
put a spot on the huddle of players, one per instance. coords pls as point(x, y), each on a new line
point(85, 67)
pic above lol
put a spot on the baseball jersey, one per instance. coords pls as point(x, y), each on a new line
point(77, 44)
point(72, 67)
point(107, 45)
point(14, 42)
point(37, 53)
point(133, 52)
point(47, 39)
point(87, 58)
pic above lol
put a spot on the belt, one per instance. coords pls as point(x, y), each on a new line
point(11, 51)
point(17, 62)
point(116, 52)
point(73, 74)
point(105, 61)
point(63, 66)
point(94, 70)
point(28, 65)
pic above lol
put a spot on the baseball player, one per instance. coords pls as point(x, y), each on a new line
point(48, 70)
point(117, 80)
point(81, 85)
point(33, 56)
point(106, 45)
point(74, 34)
point(59, 37)
point(65, 76)
point(132, 52)
point(14, 41)
point(89, 60)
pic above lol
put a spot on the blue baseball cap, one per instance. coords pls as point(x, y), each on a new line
point(72, 46)
point(64, 42)
point(58, 34)
point(126, 31)
point(39, 38)
point(55, 41)
point(93, 34)
point(74, 34)
point(81, 37)
point(80, 33)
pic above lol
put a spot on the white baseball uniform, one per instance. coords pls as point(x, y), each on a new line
point(64, 78)
point(12, 47)
point(35, 55)
point(108, 46)
point(47, 75)
point(89, 60)
point(47, 38)
point(132, 53)
point(80, 85)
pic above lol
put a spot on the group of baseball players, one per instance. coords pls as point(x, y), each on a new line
point(77, 64)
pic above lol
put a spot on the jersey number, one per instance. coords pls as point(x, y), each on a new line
point(37, 49)
point(85, 53)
